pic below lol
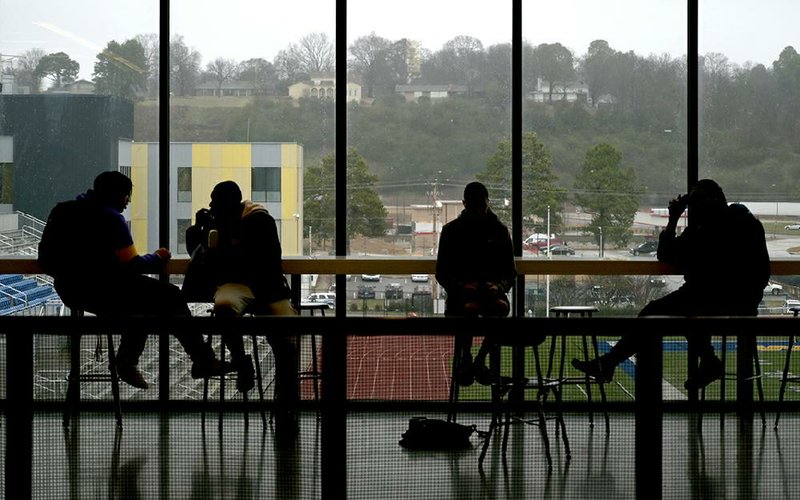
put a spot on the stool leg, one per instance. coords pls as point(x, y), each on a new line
point(601, 386)
point(205, 393)
point(722, 382)
point(588, 382)
point(453, 397)
point(315, 371)
point(221, 386)
point(73, 387)
point(257, 360)
point(112, 368)
point(782, 389)
point(759, 384)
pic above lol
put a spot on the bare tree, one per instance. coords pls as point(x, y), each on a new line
point(24, 69)
point(150, 44)
point(221, 70)
point(315, 53)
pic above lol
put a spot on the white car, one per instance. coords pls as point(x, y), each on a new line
point(327, 298)
point(370, 277)
point(792, 305)
point(793, 227)
point(420, 278)
point(773, 288)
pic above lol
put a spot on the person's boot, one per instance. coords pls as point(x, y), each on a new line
point(597, 368)
point(129, 373)
point(710, 369)
point(210, 367)
point(246, 374)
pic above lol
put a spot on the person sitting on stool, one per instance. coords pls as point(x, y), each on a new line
point(475, 265)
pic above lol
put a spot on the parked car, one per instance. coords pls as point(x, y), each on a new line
point(365, 292)
point(328, 298)
point(649, 247)
point(370, 277)
point(658, 282)
point(792, 304)
point(558, 250)
point(420, 278)
point(422, 290)
point(394, 291)
point(793, 227)
point(773, 288)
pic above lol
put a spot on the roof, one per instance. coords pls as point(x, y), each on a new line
point(430, 88)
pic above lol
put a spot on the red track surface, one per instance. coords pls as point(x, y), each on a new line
point(396, 368)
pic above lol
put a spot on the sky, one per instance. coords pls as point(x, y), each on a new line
point(743, 30)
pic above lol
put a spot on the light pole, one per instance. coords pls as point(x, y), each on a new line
point(549, 257)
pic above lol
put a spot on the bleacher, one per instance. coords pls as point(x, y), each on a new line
point(18, 293)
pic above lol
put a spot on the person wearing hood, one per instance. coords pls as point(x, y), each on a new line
point(475, 265)
point(716, 283)
point(245, 257)
point(88, 249)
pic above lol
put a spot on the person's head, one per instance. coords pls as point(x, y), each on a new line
point(114, 189)
point(476, 197)
point(706, 200)
point(226, 200)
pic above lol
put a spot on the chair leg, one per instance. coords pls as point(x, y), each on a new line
point(205, 393)
point(454, 387)
point(112, 368)
point(257, 361)
point(73, 383)
point(759, 384)
point(601, 386)
point(784, 378)
point(588, 382)
point(316, 374)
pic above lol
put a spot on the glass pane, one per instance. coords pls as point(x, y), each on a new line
point(435, 103)
point(750, 103)
point(604, 132)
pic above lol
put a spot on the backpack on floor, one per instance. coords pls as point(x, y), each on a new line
point(434, 434)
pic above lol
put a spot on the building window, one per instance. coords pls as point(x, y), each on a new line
point(184, 184)
point(183, 225)
point(266, 182)
point(125, 170)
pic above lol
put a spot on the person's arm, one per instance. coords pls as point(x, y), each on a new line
point(508, 265)
point(151, 263)
point(444, 269)
point(670, 245)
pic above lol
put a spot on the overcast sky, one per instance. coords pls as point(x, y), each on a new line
point(743, 30)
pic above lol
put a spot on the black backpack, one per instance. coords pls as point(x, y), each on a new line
point(65, 239)
point(434, 434)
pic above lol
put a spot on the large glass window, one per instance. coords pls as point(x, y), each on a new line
point(604, 132)
point(750, 111)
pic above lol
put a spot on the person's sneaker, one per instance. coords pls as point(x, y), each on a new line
point(211, 368)
point(130, 374)
point(595, 369)
point(246, 376)
point(465, 376)
point(710, 369)
point(483, 375)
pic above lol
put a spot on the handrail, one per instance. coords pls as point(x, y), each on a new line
point(394, 265)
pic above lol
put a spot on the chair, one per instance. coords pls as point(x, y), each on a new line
point(786, 378)
point(503, 406)
point(586, 380)
point(75, 376)
point(223, 378)
point(734, 376)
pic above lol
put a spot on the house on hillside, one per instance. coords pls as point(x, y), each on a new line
point(412, 93)
point(230, 88)
point(84, 87)
point(323, 86)
point(569, 91)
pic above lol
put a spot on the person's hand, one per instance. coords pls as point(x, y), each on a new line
point(163, 253)
point(677, 206)
point(203, 217)
point(493, 288)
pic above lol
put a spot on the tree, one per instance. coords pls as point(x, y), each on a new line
point(58, 67)
point(314, 53)
point(152, 55)
point(598, 69)
point(221, 70)
point(261, 73)
point(538, 180)
point(609, 193)
point(184, 67)
point(24, 70)
point(121, 69)
point(370, 57)
point(554, 63)
point(366, 214)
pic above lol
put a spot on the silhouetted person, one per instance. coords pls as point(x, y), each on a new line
point(88, 249)
point(723, 255)
point(475, 265)
point(244, 253)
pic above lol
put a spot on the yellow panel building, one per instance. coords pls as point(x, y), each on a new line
point(270, 174)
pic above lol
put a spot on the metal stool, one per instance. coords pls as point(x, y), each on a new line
point(502, 405)
point(314, 374)
point(75, 376)
point(786, 378)
point(587, 381)
point(224, 377)
point(734, 376)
